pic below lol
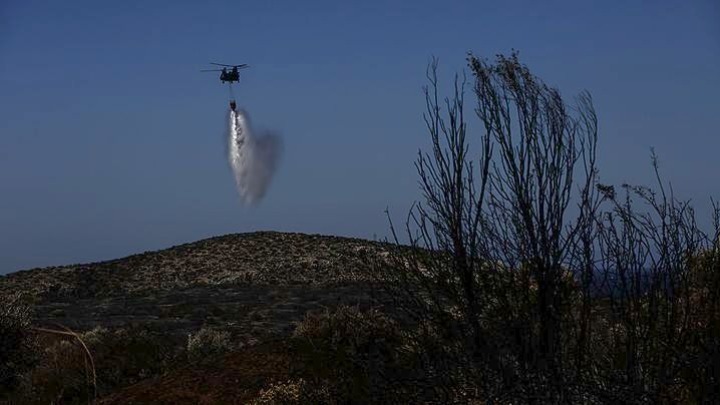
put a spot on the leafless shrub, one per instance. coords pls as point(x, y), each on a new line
point(663, 295)
point(529, 279)
point(492, 245)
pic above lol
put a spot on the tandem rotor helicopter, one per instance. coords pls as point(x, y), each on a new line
point(229, 76)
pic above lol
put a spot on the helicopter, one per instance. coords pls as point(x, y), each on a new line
point(229, 76)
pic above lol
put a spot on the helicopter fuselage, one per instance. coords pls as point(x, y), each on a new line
point(230, 77)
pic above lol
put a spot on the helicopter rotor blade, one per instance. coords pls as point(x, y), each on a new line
point(241, 66)
point(211, 70)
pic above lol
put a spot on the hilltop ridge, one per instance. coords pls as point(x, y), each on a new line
point(258, 258)
point(260, 282)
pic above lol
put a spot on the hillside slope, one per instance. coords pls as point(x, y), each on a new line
point(260, 258)
point(259, 282)
point(256, 287)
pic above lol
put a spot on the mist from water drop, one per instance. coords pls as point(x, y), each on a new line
point(253, 157)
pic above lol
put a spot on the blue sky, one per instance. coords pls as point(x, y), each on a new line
point(112, 142)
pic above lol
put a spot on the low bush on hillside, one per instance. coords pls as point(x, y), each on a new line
point(352, 353)
point(294, 392)
point(68, 373)
point(18, 343)
point(207, 343)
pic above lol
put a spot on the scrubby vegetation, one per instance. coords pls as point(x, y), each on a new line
point(353, 353)
point(77, 368)
point(292, 392)
point(18, 345)
point(208, 343)
point(544, 284)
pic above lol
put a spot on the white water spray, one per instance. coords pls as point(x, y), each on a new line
point(253, 157)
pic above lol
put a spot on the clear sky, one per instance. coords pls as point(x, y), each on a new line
point(112, 141)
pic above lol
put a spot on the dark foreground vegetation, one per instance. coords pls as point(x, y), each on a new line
point(525, 280)
point(544, 284)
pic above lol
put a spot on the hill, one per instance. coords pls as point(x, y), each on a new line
point(138, 313)
point(261, 280)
